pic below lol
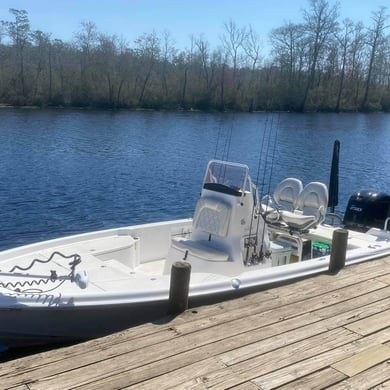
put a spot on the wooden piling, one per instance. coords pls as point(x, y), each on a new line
point(179, 287)
point(339, 250)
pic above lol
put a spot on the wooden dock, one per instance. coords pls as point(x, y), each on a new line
point(328, 331)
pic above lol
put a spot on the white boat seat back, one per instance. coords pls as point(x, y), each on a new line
point(286, 193)
point(212, 216)
point(284, 198)
point(310, 207)
point(313, 198)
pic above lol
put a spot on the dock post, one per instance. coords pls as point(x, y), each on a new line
point(179, 287)
point(339, 250)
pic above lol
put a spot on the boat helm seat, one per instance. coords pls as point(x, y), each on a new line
point(310, 208)
point(212, 216)
point(284, 198)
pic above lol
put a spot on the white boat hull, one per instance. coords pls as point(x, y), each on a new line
point(93, 284)
point(39, 326)
point(61, 316)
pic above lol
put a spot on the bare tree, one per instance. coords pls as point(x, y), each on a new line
point(320, 23)
point(203, 51)
point(107, 58)
point(289, 51)
point(2, 32)
point(122, 67)
point(356, 60)
point(59, 58)
point(345, 41)
point(375, 39)
point(87, 38)
point(86, 41)
point(42, 43)
point(19, 32)
point(168, 53)
point(148, 53)
point(252, 47)
point(233, 42)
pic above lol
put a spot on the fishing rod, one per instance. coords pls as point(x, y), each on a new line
point(267, 139)
point(226, 144)
point(269, 185)
point(218, 138)
point(259, 164)
point(228, 141)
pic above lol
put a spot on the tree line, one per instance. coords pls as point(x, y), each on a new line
point(321, 63)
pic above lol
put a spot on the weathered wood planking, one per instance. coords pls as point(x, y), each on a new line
point(323, 331)
point(371, 324)
point(363, 360)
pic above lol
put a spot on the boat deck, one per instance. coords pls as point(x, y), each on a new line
point(327, 331)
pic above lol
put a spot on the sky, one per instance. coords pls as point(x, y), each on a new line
point(181, 18)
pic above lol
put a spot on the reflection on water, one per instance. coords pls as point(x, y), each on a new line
point(64, 172)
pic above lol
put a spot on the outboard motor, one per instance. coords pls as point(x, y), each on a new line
point(367, 209)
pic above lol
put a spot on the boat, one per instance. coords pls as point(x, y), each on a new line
point(92, 284)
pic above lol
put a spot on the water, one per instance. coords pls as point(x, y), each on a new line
point(64, 172)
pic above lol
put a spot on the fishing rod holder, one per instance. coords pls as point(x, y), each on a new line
point(254, 256)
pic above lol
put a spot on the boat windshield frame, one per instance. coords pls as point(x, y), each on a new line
point(226, 177)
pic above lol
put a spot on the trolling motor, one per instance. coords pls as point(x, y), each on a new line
point(80, 277)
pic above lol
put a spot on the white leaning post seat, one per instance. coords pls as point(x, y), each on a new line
point(310, 207)
point(284, 198)
point(212, 216)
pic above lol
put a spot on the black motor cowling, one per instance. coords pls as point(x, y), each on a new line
point(367, 209)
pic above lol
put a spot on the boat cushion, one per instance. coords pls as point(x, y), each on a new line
point(310, 207)
point(313, 197)
point(287, 192)
point(296, 220)
point(200, 249)
point(212, 216)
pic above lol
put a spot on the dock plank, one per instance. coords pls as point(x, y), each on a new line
point(317, 380)
point(283, 308)
point(246, 386)
point(269, 331)
point(371, 324)
point(298, 370)
point(384, 278)
point(304, 331)
point(382, 386)
point(20, 387)
point(363, 360)
point(375, 377)
point(245, 370)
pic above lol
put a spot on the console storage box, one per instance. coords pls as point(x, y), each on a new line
point(281, 253)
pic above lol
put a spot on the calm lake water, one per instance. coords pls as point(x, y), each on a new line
point(65, 171)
